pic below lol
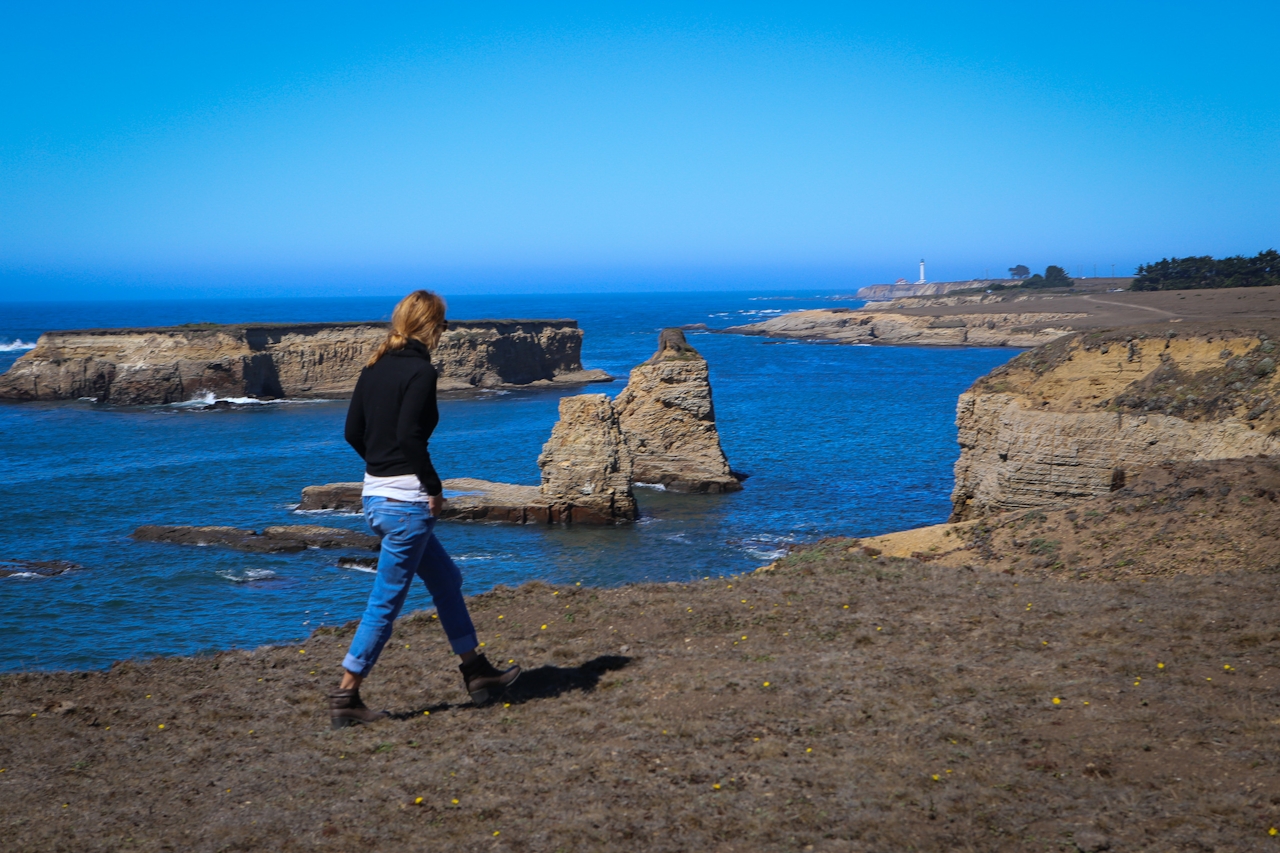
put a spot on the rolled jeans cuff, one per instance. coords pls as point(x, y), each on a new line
point(462, 645)
point(355, 666)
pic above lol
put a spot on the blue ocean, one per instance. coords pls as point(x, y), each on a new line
point(837, 440)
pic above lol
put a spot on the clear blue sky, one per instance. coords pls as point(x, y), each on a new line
point(200, 149)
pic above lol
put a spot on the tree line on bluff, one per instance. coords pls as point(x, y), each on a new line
point(1207, 272)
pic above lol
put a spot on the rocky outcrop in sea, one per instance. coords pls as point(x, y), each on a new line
point(660, 430)
point(298, 360)
point(669, 423)
point(1079, 417)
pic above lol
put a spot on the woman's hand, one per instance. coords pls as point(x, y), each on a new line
point(436, 504)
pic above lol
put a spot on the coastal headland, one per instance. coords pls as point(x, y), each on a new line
point(1086, 659)
point(300, 360)
point(1015, 318)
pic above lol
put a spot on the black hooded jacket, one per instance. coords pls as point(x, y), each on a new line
point(392, 414)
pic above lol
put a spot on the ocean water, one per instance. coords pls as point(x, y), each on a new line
point(837, 440)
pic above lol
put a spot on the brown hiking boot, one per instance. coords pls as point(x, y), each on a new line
point(483, 681)
point(346, 709)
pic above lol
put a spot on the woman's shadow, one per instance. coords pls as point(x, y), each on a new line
point(544, 682)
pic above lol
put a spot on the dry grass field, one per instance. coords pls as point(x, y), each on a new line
point(837, 702)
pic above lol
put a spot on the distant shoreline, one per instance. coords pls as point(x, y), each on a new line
point(1015, 318)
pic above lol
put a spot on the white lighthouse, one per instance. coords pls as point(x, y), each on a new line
point(921, 281)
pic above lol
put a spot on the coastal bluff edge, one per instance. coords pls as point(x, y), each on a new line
point(150, 366)
point(1079, 417)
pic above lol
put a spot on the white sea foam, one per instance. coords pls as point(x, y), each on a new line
point(208, 398)
point(655, 486)
point(248, 575)
point(765, 546)
point(16, 346)
point(482, 557)
point(24, 575)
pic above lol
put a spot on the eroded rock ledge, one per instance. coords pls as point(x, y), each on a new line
point(297, 360)
point(272, 540)
point(1079, 417)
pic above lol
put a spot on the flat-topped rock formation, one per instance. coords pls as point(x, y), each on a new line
point(272, 540)
point(669, 424)
point(1077, 418)
point(297, 360)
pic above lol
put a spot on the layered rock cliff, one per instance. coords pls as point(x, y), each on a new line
point(669, 423)
point(587, 460)
point(301, 360)
point(1078, 417)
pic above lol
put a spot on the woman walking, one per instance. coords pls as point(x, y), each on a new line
point(391, 417)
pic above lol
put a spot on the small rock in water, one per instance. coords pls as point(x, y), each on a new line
point(44, 568)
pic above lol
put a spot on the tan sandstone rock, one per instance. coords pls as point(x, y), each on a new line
point(669, 423)
point(1078, 417)
point(586, 459)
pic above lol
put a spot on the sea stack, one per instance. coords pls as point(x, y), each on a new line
point(587, 461)
point(669, 423)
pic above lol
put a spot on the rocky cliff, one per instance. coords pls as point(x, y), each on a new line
point(669, 423)
point(168, 365)
point(1078, 417)
point(885, 292)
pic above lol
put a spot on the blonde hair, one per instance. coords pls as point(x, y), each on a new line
point(420, 317)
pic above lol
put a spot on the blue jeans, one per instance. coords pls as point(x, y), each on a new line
point(409, 547)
